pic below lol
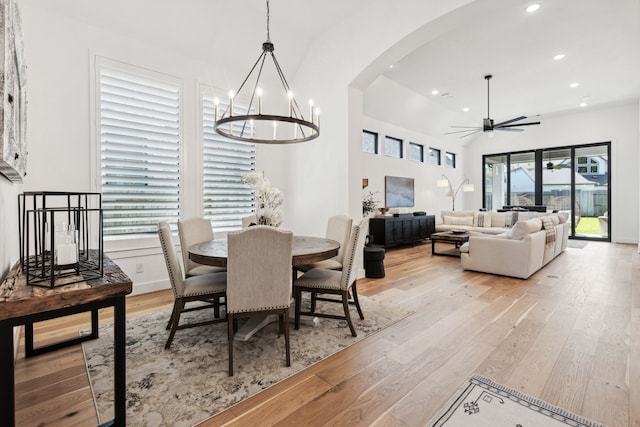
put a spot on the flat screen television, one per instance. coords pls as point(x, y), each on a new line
point(398, 192)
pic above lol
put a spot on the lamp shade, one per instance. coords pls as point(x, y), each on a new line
point(468, 187)
point(442, 182)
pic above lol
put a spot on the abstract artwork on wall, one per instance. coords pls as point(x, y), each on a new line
point(13, 79)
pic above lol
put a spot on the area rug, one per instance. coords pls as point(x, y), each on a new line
point(189, 382)
point(481, 402)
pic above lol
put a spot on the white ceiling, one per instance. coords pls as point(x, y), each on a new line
point(600, 38)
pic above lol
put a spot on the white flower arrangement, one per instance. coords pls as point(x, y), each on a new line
point(268, 199)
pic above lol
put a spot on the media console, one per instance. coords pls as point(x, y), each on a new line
point(405, 229)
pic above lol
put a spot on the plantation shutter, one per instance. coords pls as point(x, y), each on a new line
point(226, 198)
point(140, 151)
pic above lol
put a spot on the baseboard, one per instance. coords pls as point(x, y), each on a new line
point(145, 288)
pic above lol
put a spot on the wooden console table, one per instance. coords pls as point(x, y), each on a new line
point(21, 304)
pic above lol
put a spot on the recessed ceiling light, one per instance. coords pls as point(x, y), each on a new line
point(465, 109)
point(532, 8)
point(574, 84)
point(559, 56)
point(583, 104)
point(391, 66)
point(435, 92)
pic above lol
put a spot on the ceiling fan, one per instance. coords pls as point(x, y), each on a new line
point(487, 124)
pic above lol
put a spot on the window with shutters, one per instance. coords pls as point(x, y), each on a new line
point(139, 124)
point(226, 198)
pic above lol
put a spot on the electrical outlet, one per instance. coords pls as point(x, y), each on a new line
point(140, 268)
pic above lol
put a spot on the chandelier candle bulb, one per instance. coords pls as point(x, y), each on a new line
point(230, 103)
point(216, 101)
point(259, 93)
point(311, 110)
point(290, 95)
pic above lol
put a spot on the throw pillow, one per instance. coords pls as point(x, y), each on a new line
point(482, 219)
point(522, 228)
point(455, 220)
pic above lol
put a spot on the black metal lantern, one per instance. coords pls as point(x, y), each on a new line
point(61, 237)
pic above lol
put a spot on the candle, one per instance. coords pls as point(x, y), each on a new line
point(259, 92)
point(216, 101)
point(230, 103)
point(311, 109)
point(318, 117)
point(66, 248)
point(290, 94)
point(275, 125)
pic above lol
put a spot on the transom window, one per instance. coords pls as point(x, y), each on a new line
point(416, 152)
point(450, 159)
point(369, 142)
point(434, 156)
point(393, 147)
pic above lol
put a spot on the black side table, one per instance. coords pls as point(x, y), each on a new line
point(374, 262)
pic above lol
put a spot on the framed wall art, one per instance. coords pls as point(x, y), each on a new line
point(13, 79)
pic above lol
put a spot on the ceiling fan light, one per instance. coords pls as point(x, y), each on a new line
point(574, 85)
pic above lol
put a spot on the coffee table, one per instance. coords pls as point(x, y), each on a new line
point(450, 237)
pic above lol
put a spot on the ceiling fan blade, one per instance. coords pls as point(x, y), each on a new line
point(461, 131)
point(510, 121)
point(468, 127)
point(470, 133)
point(518, 124)
point(509, 129)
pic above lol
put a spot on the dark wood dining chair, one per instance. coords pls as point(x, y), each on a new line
point(341, 283)
point(259, 278)
point(207, 288)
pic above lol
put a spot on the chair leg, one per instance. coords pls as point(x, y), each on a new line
point(313, 302)
point(354, 293)
point(347, 315)
point(297, 298)
point(230, 320)
point(216, 308)
point(285, 319)
point(178, 305)
point(173, 312)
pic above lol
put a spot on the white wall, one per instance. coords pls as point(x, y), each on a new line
point(618, 124)
point(60, 55)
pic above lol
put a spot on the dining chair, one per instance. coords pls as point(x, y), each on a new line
point(208, 288)
point(192, 231)
point(259, 278)
point(342, 283)
point(338, 229)
point(248, 220)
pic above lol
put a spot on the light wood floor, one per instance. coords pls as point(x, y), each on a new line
point(570, 335)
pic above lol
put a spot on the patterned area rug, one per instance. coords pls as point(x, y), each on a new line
point(189, 383)
point(481, 402)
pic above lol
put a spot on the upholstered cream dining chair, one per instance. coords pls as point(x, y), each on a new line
point(208, 288)
point(192, 231)
point(248, 220)
point(259, 278)
point(338, 229)
point(320, 280)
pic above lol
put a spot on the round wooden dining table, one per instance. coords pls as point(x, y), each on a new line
point(305, 250)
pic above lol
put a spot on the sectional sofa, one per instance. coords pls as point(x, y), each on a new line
point(498, 247)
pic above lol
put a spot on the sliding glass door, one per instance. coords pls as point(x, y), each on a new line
point(572, 179)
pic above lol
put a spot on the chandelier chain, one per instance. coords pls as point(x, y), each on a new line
point(268, 14)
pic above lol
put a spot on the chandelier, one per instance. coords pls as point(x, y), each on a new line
point(263, 128)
